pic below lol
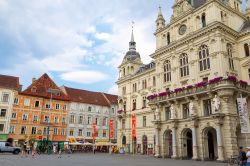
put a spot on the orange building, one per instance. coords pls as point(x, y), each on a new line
point(40, 107)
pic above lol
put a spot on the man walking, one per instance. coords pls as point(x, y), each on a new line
point(242, 157)
point(248, 156)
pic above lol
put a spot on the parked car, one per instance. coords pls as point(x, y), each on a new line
point(7, 147)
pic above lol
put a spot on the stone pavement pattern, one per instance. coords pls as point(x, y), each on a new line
point(97, 160)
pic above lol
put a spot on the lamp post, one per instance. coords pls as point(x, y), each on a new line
point(51, 91)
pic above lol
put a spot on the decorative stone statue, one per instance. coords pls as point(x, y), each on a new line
point(172, 112)
point(191, 108)
point(215, 104)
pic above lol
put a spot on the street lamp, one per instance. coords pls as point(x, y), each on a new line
point(56, 92)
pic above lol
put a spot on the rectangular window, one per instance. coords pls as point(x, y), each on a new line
point(23, 130)
point(96, 121)
point(26, 102)
point(144, 121)
point(63, 120)
point(25, 117)
point(144, 102)
point(207, 107)
point(55, 131)
point(104, 133)
point(167, 113)
point(16, 101)
point(47, 106)
point(123, 124)
point(154, 81)
point(37, 103)
point(1, 127)
point(35, 118)
point(71, 132)
point(5, 98)
point(3, 112)
point(12, 130)
point(89, 109)
point(185, 111)
point(56, 120)
point(80, 120)
point(57, 106)
point(62, 132)
point(64, 107)
point(72, 119)
point(88, 134)
point(45, 131)
point(33, 130)
point(104, 121)
point(113, 110)
point(89, 120)
point(13, 116)
point(80, 132)
point(46, 119)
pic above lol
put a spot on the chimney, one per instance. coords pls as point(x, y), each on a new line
point(33, 80)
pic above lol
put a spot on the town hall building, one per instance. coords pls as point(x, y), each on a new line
point(186, 102)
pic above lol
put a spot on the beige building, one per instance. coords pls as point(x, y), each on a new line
point(185, 100)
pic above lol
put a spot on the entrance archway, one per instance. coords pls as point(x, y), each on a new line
point(210, 144)
point(124, 141)
point(144, 144)
point(168, 144)
point(187, 144)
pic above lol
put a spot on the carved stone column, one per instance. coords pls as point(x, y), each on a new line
point(174, 143)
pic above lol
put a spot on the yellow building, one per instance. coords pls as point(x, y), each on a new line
point(185, 100)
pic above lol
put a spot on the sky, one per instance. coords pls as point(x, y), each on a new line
point(79, 43)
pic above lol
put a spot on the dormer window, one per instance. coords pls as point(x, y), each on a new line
point(33, 89)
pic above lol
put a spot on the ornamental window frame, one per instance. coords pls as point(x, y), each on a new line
point(204, 58)
point(167, 71)
point(184, 67)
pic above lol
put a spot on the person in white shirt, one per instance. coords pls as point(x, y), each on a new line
point(248, 156)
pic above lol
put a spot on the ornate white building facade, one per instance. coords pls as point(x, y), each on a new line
point(185, 100)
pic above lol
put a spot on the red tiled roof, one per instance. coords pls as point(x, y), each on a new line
point(41, 86)
point(89, 97)
point(10, 82)
point(112, 99)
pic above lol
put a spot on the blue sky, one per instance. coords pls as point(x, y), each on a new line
point(79, 43)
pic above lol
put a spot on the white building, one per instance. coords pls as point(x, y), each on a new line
point(9, 87)
point(86, 108)
point(184, 102)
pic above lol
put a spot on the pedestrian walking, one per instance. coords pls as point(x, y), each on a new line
point(54, 149)
point(94, 149)
point(242, 157)
point(248, 156)
point(34, 151)
point(60, 153)
point(24, 150)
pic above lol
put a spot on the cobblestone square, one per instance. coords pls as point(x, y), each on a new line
point(97, 159)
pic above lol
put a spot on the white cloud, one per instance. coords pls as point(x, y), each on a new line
point(86, 77)
point(113, 90)
point(102, 36)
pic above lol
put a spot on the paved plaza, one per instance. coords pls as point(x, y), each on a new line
point(97, 159)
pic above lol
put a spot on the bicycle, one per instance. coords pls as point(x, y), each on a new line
point(234, 160)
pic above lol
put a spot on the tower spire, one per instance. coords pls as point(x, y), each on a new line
point(160, 21)
point(132, 43)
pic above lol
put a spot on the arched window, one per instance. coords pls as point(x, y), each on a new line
point(230, 56)
point(246, 48)
point(167, 71)
point(168, 38)
point(203, 20)
point(184, 69)
point(204, 60)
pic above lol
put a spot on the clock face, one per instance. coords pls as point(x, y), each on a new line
point(182, 29)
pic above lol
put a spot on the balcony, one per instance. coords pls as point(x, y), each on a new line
point(200, 88)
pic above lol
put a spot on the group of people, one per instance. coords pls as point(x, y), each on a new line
point(244, 156)
point(27, 149)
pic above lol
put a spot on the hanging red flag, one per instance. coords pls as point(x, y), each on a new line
point(111, 129)
point(133, 126)
point(94, 131)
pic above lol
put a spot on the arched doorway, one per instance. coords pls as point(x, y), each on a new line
point(210, 144)
point(124, 141)
point(144, 144)
point(168, 144)
point(187, 144)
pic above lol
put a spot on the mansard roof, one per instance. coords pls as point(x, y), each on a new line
point(89, 97)
point(40, 88)
point(9, 82)
point(146, 67)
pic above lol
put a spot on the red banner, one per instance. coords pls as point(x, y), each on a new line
point(94, 131)
point(111, 129)
point(133, 126)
